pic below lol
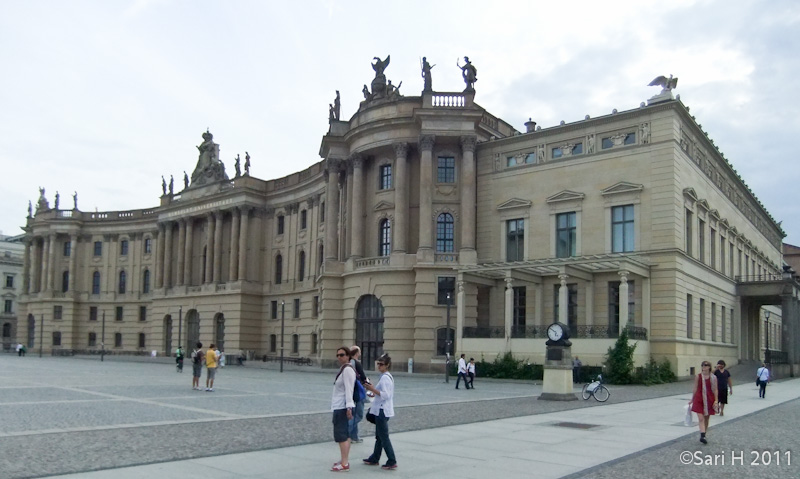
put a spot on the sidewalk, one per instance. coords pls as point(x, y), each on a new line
point(550, 445)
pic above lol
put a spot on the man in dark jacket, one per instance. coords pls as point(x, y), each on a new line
point(358, 413)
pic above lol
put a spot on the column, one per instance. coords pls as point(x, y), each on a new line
point(181, 251)
point(187, 253)
point(218, 247)
point(400, 226)
point(468, 193)
point(563, 300)
point(245, 213)
point(233, 260)
point(209, 247)
point(26, 267)
point(168, 255)
point(332, 215)
point(426, 143)
point(160, 257)
point(538, 304)
point(51, 262)
point(509, 310)
point(589, 303)
point(623, 300)
point(357, 230)
point(460, 310)
point(38, 264)
point(73, 253)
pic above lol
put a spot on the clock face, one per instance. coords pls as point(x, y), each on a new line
point(554, 332)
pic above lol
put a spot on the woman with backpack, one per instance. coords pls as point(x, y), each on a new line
point(197, 366)
point(382, 409)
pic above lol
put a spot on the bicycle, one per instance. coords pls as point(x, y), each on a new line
point(596, 389)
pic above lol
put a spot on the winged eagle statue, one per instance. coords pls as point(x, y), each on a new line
point(666, 84)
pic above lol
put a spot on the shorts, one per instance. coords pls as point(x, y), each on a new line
point(197, 369)
point(210, 373)
point(341, 431)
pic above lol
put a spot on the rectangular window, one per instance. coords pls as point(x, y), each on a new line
point(622, 232)
point(713, 321)
point(123, 248)
point(446, 170)
point(730, 259)
point(148, 245)
point(96, 282)
point(515, 240)
point(702, 319)
point(557, 153)
point(296, 309)
point(57, 312)
point(688, 232)
point(118, 313)
point(313, 343)
point(746, 266)
point(273, 310)
point(732, 330)
point(9, 281)
point(303, 219)
point(577, 149)
point(56, 338)
point(141, 340)
point(446, 286)
point(689, 313)
point(385, 180)
point(117, 340)
point(701, 240)
point(712, 248)
point(98, 248)
point(142, 313)
point(92, 340)
point(322, 212)
point(607, 143)
point(723, 323)
point(722, 258)
point(67, 248)
point(518, 317)
point(565, 235)
point(295, 344)
point(273, 343)
point(280, 224)
point(8, 306)
point(315, 307)
point(92, 313)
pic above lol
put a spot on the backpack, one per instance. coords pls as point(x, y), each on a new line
point(359, 393)
point(196, 357)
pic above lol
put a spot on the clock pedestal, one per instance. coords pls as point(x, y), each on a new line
point(557, 385)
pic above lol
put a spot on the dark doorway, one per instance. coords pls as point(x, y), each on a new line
point(192, 329)
point(168, 335)
point(369, 329)
point(219, 331)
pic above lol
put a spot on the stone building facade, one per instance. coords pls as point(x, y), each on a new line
point(11, 252)
point(427, 211)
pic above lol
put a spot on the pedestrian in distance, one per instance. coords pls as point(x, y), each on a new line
point(212, 359)
point(221, 356)
point(704, 398)
point(179, 355)
point(724, 383)
point(342, 406)
point(19, 349)
point(471, 373)
point(576, 370)
point(462, 372)
point(383, 409)
point(762, 378)
point(197, 365)
point(358, 412)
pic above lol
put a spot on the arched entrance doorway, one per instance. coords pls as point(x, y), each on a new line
point(219, 331)
point(168, 335)
point(369, 329)
point(31, 331)
point(192, 329)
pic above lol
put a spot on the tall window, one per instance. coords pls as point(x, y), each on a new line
point(446, 285)
point(519, 306)
point(622, 239)
point(273, 310)
point(565, 235)
point(58, 312)
point(148, 245)
point(122, 282)
point(515, 240)
point(315, 307)
point(123, 248)
point(295, 344)
point(730, 259)
point(688, 232)
point(713, 321)
point(142, 313)
point(303, 219)
point(67, 248)
point(722, 258)
point(273, 343)
point(141, 340)
point(117, 340)
point(712, 248)
point(301, 266)
point(92, 313)
point(446, 170)
point(689, 314)
point(118, 313)
point(322, 212)
point(280, 224)
point(65, 281)
point(445, 233)
point(385, 239)
point(313, 343)
point(56, 338)
point(9, 281)
point(92, 340)
point(296, 309)
point(98, 248)
point(146, 281)
point(723, 322)
point(8, 306)
point(702, 318)
point(385, 181)
point(96, 282)
point(701, 240)
point(442, 340)
point(278, 269)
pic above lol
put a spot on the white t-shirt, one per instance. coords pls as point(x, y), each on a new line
point(384, 400)
point(471, 368)
point(462, 365)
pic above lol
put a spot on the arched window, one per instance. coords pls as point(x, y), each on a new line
point(385, 238)
point(146, 281)
point(122, 282)
point(301, 266)
point(278, 269)
point(96, 282)
point(65, 281)
point(445, 233)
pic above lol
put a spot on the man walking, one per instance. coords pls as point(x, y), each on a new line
point(358, 411)
point(197, 366)
point(462, 372)
point(576, 369)
point(211, 367)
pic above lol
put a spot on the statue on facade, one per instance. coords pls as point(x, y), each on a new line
point(30, 209)
point(171, 185)
point(469, 73)
point(365, 91)
point(246, 163)
point(379, 66)
point(42, 204)
point(331, 114)
point(237, 166)
point(75, 200)
point(163, 186)
point(393, 92)
point(337, 106)
point(426, 74)
point(379, 82)
point(666, 84)
point(185, 180)
point(58, 197)
point(209, 167)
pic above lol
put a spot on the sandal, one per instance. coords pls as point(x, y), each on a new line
point(339, 467)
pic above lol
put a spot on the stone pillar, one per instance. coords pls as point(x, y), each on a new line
point(181, 251)
point(245, 213)
point(357, 230)
point(73, 253)
point(589, 302)
point(160, 257)
point(468, 192)
point(509, 310)
point(218, 247)
point(400, 226)
point(623, 300)
point(168, 255)
point(426, 143)
point(39, 264)
point(51, 261)
point(332, 204)
point(209, 247)
point(538, 304)
point(563, 300)
point(187, 253)
point(26, 268)
point(233, 260)
point(788, 329)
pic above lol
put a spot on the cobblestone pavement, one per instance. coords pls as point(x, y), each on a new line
point(67, 415)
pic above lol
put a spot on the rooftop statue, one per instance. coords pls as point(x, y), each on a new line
point(30, 209)
point(75, 200)
point(163, 185)
point(171, 185)
point(393, 92)
point(337, 106)
point(209, 168)
point(379, 66)
point(366, 93)
point(58, 197)
point(185, 180)
point(379, 82)
point(426, 74)
point(666, 84)
point(237, 166)
point(246, 163)
point(470, 74)
point(42, 204)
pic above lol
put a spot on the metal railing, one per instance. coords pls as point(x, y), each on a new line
point(540, 332)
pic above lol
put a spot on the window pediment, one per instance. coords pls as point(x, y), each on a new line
point(622, 187)
point(383, 205)
point(514, 203)
point(566, 195)
point(690, 193)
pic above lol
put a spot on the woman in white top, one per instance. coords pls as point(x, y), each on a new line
point(342, 406)
point(383, 408)
point(763, 379)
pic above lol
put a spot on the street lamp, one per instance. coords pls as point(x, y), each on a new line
point(180, 325)
point(41, 335)
point(103, 338)
point(283, 314)
point(447, 343)
point(766, 335)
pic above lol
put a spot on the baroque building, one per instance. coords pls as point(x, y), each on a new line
point(11, 252)
point(432, 226)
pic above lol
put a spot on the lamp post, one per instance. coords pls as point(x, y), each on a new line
point(283, 314)
point(180, 324)
point(766, 335)
point(447, 343)
point(103, 338)
point(41, 335)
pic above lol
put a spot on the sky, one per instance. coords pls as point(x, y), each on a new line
point(104, 97)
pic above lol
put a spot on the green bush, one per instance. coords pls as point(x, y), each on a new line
point(655, 373)
point(503, 367)
point(619, 361)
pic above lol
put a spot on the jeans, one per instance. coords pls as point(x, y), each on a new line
point(762, 389)
point(382, 441)
point(352, 424)
point(466, 381)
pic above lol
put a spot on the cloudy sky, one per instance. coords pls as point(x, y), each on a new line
point(103, 97)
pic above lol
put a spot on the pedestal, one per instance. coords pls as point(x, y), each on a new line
point(557, 384)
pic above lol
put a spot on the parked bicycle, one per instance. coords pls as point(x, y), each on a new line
point(596, 389)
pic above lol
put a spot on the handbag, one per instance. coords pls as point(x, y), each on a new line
point(359, 393)
point(371, 417)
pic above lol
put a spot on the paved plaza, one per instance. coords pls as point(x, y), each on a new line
point(70, 416)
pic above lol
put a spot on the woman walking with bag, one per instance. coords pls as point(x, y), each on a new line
point(342, 406)
point(704, 398)
point(762, 378)
point(382, 409)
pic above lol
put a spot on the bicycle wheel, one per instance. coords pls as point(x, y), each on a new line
point(602, 393)
point(585, 392)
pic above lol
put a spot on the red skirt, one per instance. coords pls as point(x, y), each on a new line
point(697, 399)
